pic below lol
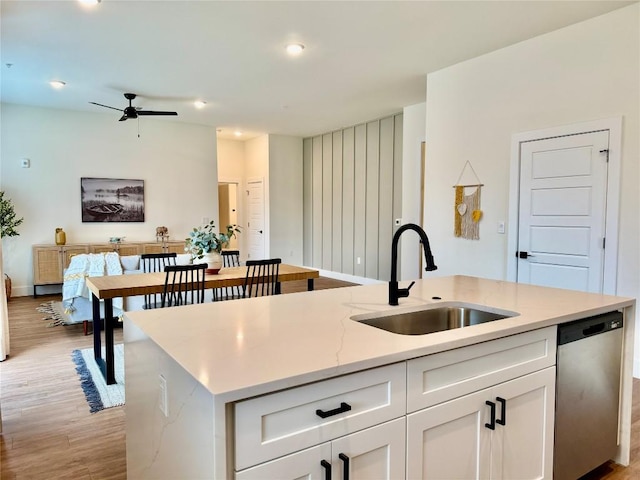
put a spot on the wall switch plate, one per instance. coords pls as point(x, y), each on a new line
point(205, 220)
point(358, 261)
point(501, 227)
point(163, 400)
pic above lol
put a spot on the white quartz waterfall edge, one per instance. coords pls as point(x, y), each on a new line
point(100, 395)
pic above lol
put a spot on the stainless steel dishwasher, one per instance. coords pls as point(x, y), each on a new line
point(587, 394)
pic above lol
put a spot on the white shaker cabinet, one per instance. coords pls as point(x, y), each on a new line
point(353, 416)
point(377, 452)
point(462, 438)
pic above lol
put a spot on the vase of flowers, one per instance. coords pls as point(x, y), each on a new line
point(205, 245)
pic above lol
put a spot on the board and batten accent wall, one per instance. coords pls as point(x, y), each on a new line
point(352, 196)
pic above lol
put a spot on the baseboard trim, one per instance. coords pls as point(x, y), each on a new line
point(348, 278)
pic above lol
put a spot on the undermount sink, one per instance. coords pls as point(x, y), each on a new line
point(433, 318)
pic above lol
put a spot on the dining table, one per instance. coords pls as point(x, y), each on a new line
point(108, 287)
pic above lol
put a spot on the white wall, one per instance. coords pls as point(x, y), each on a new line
point(285, 187)
point(412, 138)
point(584, 72)
point(177, 161)
point(277, 159)
point(230, 159)
point(231, 168)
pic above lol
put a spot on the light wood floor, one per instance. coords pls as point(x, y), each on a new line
point(48, 432)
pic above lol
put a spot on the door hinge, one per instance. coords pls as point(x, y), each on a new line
point(606, 150)
point(604, 242)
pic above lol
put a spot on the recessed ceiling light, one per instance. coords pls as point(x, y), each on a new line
point(295, 48)
point(57, 84)
point(199, 103)
point(89, 2)
point(237, 133)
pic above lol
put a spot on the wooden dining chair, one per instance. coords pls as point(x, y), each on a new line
point(262, 278)
point(230, 258)
point(155, 262)
point(183, 285)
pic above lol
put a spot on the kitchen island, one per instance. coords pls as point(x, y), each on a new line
point(219, 390)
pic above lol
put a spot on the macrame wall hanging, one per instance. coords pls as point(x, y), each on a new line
point(467, 213)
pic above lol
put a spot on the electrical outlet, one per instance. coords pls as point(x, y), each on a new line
point(25, 163)
point(163, 403)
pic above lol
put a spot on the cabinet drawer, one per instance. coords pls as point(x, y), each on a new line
point(277, 424)
point(440, 377)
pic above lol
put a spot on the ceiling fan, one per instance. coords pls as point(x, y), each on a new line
point(131, 111)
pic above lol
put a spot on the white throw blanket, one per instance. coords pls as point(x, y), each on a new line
point(88, 265)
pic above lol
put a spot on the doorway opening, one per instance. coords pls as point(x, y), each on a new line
point(228, 209)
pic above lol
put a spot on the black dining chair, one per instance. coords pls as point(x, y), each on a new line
point(230, 258)
point(262, 278)
point(183, 285)
point(155, 262)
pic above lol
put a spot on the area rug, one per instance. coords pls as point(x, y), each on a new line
point(99, 394)
point(54, 313)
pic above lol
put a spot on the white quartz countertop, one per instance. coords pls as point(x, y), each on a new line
point(242, 348)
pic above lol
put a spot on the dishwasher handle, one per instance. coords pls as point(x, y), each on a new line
point(593, 329)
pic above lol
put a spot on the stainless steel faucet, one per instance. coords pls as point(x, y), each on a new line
point(394, 292)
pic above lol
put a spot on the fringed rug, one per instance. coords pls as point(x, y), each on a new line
point(55, 315)
point(99, 394)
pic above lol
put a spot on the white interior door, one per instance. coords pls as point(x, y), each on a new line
point(563, 196)
point(255, 224)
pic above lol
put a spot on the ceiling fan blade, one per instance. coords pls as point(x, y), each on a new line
point(152, 112)
point(123, 118)
point(106, 106)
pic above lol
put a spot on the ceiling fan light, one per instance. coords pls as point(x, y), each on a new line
point(199, 104)
point(57, 84)
point(237, 133)
point(295, 48)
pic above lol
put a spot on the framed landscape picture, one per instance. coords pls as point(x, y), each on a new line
point(112, 200)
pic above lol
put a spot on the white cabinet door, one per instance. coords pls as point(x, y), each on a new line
point(523, 447)
point(375, 453)
point(307, 465)
point(449, 440)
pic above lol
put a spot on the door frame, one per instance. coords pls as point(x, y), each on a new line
point(614, 126)
point(239, 206)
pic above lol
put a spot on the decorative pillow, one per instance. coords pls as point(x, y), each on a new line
point(130, 262)
point(183, 259)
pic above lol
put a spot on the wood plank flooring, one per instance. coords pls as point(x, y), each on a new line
point(48, 432)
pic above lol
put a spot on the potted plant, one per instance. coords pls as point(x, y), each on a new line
point(8, 225)
point(205, 245)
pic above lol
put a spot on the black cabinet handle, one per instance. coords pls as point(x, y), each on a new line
point(344, 407)
point(345, 471)
point(327, 469)
point(503, 411)
point(492, 424)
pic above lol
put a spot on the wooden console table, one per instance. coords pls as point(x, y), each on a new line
point(50, 261)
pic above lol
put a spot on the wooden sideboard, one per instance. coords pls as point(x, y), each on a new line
point(49, 261)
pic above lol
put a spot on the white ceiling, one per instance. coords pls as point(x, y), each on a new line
point(363, 60)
